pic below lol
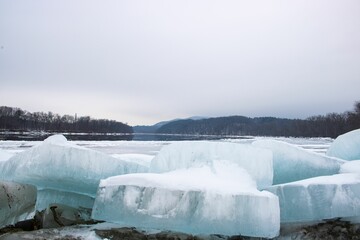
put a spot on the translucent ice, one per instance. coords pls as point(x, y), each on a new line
point(47, 196)
point(346, 146)
point(17, 202)
point(60, 165)
point(292, 163)
point(219, 199)
point(319, 198)
point(181, 155)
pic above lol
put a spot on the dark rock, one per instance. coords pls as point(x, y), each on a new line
point(59, 215)
point(121, 234)
point(173, 236)
point(331, 229)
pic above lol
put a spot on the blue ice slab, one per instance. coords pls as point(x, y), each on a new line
point(292, 163)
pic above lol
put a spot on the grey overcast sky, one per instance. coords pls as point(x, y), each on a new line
point(143, 61)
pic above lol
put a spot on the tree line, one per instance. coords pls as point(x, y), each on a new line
point(329, 125)
point(16, 119)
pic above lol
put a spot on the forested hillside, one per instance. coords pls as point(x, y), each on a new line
point(330, 125)
point(16, 119)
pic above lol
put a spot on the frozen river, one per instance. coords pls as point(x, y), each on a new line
point(146, 150)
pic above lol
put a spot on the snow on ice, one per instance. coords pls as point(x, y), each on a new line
point(292, 163)
point(256, 161)
point(346, 146)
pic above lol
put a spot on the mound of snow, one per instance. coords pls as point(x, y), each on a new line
point(319, 198)
point(217, 199)
point(182, 155)
point(17, 202)
point(60, 165)
point(292, 163)
point(346, 146)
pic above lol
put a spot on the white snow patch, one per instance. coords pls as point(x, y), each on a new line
point(222, 177)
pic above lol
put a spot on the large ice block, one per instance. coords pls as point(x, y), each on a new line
point(346, 146)
point(319, 198)
point(181, 155)
point(292, 163)
point(17, 202)
point(61, 165)
point(221, 199)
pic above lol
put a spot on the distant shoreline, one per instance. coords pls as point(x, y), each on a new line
point(7, 135)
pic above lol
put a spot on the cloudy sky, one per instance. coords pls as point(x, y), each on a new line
point(143, 61)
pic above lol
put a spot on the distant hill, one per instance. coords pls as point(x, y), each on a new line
point(232, 125)
point(154, 128)
point(330, 125)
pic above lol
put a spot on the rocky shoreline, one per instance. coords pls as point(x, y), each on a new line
point(331, 229)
